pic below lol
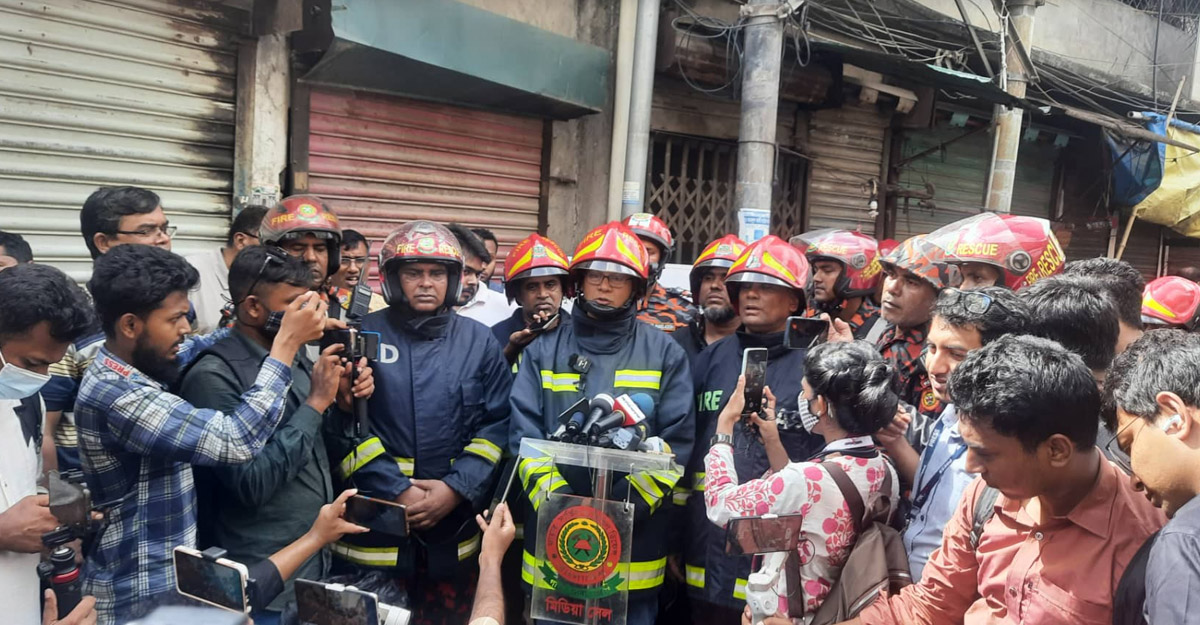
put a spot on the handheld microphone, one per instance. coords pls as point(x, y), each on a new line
point(601, 404)
point(627, 411)
point(570, 420)
point(629, 438)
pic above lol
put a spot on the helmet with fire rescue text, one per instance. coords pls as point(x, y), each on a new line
point(650, 228)
point(611, 248)
point(1171, 301)
point(856, 252)
point(535, 256)
point(297, 215)
point(769, 260)
point(721, 253)
point(924, 260)
point(1023, 249)
point(420, 242)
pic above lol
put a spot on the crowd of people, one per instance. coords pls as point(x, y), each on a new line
point(1022, 425)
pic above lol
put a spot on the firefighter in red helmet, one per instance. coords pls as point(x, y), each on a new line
point(306, 227)
point(1171, 302)
point(717, 318)
point(535, 278)
point(846, 272)
point(666, 309)
point(1013, 251)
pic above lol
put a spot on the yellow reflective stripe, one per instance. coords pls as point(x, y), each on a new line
point(469, 547)
point(679, 496)
point(560, 382)
point(529, 467)
point(367, 556)
point(407, 465)
point(366, 451)
point(647, 489)
point(637, 575)
point(635, 378)
point(699, 480)
point(485, 449)
point(543, 487)
point(739, 589)
point(666, 477)
point(694, 575)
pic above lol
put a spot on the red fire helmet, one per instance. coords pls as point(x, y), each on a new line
point(534, 256)
point(1171, 301)
point(420, 242)
point(297, 215)
point(719, 253)
point(614, 248)
point(1024, 249)
point(886, 246)
point(856, 252)
point(769, 260)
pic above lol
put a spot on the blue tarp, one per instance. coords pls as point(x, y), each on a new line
point(1138, 172)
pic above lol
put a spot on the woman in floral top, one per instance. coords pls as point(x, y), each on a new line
point(848, 396)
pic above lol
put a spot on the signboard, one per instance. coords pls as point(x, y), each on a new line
point(753, 224)
point(582, 569)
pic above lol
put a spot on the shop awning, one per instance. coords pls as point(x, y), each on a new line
point(452, 52)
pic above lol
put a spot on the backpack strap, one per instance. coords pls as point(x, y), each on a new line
point(858, 510)
point(985, 509)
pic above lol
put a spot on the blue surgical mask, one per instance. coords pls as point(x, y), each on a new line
point(273, 323)
point(18, 383)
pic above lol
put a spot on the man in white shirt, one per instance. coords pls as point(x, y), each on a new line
point(43, 312)
point(476, 301)
point(212, 292)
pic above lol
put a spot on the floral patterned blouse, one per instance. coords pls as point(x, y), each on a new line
point(801, 488)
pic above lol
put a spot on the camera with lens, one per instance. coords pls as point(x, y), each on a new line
point(71, 504)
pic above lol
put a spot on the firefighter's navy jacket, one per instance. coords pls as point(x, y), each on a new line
point(713, 576)
point(626, 356)
point(440, 411)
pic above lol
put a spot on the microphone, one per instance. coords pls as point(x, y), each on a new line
point(627, 411)
point(601, 404)
point(570, 420)
point(630, 437)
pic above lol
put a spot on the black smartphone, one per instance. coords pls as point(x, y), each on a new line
point(541, 326)
point(503, 487)
point(218, 582)
point(803, 332)
point(378, 515)
point(754, 367)
point(763, 534)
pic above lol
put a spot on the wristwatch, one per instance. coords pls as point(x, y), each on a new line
point(721, 439)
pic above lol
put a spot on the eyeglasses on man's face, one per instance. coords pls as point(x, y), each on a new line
point(149, 231)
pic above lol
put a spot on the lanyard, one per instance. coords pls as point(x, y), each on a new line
point(920, 498)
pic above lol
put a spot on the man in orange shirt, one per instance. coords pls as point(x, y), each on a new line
point(1065, 522)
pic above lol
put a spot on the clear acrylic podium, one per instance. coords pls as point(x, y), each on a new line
point(583, 544)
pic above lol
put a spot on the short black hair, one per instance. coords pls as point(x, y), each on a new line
point(1008, 314)
point(36, 293)
point(136, 279)
point(103, 210)
point(354, 238)
point(1028, 388)
point(1078, 313)
point(486, 235)
point(248, 221)
point(252, 269)
point(470, 244)
point(16, 246)
point(1161, 360)
point(1124, 283)
point(858, 384)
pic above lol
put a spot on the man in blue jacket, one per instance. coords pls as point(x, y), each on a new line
point(438, 420)
point(623, 355)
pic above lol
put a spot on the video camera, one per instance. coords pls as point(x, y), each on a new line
point(71, 504)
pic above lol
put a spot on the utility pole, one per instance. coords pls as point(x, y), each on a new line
point(1008, 120)
point(641, 94)
point(760, 103)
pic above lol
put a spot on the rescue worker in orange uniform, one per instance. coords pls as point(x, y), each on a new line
point(666, 309)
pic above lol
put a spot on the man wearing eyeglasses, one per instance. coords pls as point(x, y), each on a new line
point(476, 301)
point(356, 263)
point(963, 321)
point(212, 293)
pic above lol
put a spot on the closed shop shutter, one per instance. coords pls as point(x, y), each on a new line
point(382, 161)
point(132, 92)
point(1182, 252)
point(847, 148)
point(1081, 241)
point(959, 174)
point(1142, 251)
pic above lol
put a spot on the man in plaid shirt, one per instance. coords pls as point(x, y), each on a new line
point(137, 440)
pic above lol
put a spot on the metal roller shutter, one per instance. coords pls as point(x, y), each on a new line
point(1143, 248)
point(131, 92)
point(847, 148)
point(381, 161)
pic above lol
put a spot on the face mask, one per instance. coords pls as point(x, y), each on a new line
point(18, 383)
point(274, 322)
point(807, 418)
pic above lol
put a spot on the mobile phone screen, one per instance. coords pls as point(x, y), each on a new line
point(540, 326)
point(754, 367)
point(317, 604)
point(805, 332)
point(377, 515)
point(763, 534)
point(210, 581)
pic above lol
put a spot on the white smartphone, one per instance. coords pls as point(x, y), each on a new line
point(220, 583)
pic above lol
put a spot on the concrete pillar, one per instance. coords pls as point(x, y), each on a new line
point(261, 150)
point(1008, 120)
point(760, 105)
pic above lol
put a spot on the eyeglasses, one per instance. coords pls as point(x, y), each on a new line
point(596, 278)
point(148, 231)
point(360, 261)
point(1119, 455)
point(975, 302)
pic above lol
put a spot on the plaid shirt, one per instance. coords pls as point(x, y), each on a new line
point(903, 349)
point(138, 443)
point(666, 310)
